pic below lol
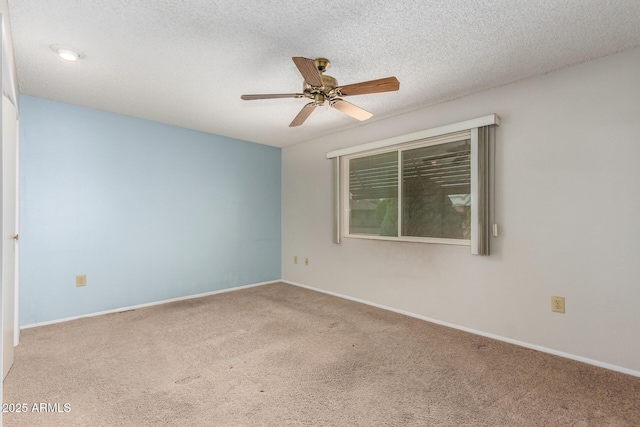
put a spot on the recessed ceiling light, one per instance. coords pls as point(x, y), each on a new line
point(67, 53)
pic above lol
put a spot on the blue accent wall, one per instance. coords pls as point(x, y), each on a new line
point(147, 211)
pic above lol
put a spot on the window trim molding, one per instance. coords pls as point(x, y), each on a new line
point(491, 119)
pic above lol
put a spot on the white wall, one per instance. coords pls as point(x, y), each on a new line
point(568, 154)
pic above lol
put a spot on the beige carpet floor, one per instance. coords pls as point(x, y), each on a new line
point(279, 355)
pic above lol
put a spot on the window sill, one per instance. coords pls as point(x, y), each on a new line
point(456, 242)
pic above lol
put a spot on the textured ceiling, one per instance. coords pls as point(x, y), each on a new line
point(186, 62)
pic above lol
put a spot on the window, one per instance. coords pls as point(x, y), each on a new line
point(373, 195)
point(430, 187)
point(421, 191)
point(436, 191)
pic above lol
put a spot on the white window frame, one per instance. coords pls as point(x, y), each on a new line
point(441, 135)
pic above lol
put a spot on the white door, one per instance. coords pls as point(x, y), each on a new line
point(9, 229)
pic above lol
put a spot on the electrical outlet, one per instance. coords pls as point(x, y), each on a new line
point(557, 304)
point(81, 280)
point(295, 259)
point(306, 261)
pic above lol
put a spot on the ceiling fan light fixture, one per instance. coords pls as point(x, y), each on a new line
point(67, 53)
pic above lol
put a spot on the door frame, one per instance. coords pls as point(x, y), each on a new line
point(9, 88)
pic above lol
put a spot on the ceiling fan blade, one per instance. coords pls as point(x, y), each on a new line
point(303, 115)
point(350, 109)
point(309, 71)
point(387, 84)
point(271, 96)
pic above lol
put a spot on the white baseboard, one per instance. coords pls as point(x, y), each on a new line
point(134, 307)
point(476, 332)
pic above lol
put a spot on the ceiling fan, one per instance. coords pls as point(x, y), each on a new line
point(323, 88)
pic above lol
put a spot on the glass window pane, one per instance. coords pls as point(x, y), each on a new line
point(436, 191)
point(373, 195)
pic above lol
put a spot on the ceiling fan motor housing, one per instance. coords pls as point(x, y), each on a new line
point(329, 82)
point(319, 94)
